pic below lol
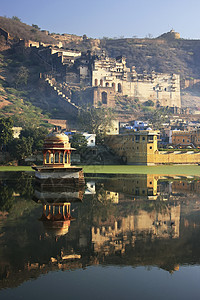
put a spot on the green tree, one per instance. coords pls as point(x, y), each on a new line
point(37, 135)
point(22, 76)
point(79, 142)
point(6, 132)
point(36, 26)
point(23, 147)
point(96, 120)
point(149, 103)
point(15, 18)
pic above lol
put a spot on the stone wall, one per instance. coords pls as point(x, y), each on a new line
point(143, 151)
point(162, 89)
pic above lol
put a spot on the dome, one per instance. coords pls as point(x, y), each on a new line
point(56, 137)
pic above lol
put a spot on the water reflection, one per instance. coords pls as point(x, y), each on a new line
point(135, 220)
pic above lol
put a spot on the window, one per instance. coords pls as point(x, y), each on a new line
point(119, 88)
point(137, 138)
point(61, 158)
point(96, 82)
point(143, 138)
point(104, 97)
point(150, 147)
point(150, 138)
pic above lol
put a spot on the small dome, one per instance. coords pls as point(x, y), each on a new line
point(57, 137)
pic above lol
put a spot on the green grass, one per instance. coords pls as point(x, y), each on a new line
point(15, 169)
point(124, 169)
point(164, 170)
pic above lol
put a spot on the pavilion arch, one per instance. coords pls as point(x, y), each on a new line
point(107, 84)
point(96, 82)
point(101, 82)
point(104, 97)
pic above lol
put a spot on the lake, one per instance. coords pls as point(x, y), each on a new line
point(122, 236)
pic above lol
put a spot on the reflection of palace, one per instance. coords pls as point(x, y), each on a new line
point(135, 185)
point(149, 187)
point(115, 235)
point(128, 230)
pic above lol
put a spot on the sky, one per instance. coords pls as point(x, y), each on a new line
point(108, 18)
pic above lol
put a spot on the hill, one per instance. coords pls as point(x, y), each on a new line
point(19, 30)
point(166, 54)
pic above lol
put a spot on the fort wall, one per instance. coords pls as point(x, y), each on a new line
point(140, 148)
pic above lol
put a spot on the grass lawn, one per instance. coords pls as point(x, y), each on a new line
point(164, 170)
point(124, 169)
point(15, 169)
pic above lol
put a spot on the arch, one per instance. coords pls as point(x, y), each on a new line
point(61, 158)
point(56, 157)
point(107, 84)
point(104, 97)
point(101, 82)
point(47, 158)
point(96, 82)
point(113, 85)
point(66, 158)
point(119, 87)
point(51, 158)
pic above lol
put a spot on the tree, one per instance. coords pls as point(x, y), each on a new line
point(36, 26)
point(15, 18)
point(96, 120)
point(149, 103)
point(37, 135)
point(79, 142)
point(23, 147)
point(6, 132)
point(22, 76)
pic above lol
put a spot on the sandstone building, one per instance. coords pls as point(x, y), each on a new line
point(106, 78)
point(140, 148)
point(111, 77)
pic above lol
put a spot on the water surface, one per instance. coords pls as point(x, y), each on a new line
point(123, 237)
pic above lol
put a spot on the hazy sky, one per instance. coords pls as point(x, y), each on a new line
point(111, 18)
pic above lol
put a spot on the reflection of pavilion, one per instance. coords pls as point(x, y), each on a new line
point(54, 193)
point(56, 217)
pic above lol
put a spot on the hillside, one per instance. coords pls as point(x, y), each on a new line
point(165, 54)
point(23, 95)
point(160, 55)
point(19, 30)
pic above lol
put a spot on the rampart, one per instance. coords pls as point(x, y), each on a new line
point(140, 148)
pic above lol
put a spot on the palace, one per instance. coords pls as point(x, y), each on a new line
point(111, 78)
point(141, 148)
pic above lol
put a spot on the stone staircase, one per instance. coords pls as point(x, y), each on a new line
point(66, 101)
